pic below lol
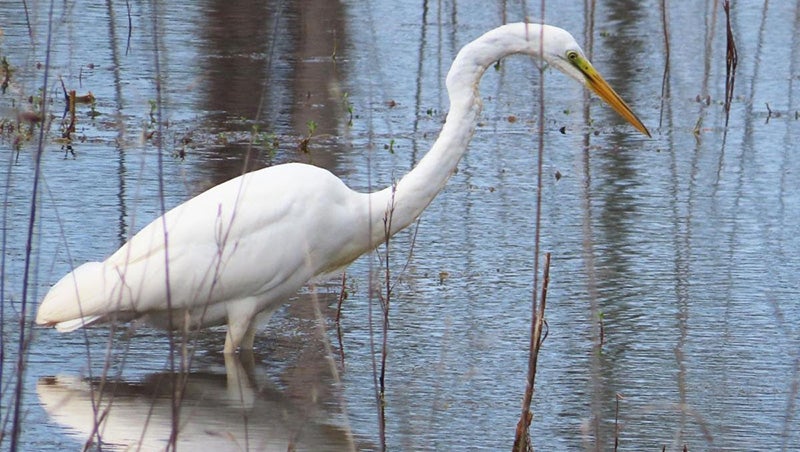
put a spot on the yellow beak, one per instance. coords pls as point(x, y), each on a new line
point(597, 83)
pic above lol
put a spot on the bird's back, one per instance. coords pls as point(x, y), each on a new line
point(260, 236)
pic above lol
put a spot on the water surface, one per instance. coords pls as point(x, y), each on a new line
point(683, 246)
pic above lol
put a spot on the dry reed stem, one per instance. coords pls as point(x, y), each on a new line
point(616, 421)
point(24, 323)
point(665, 91)
point(522, 441)
point(731, 60)
point(340, 301)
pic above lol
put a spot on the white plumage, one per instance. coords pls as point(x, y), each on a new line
point(245, 246)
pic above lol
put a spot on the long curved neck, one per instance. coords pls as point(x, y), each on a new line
point(405, 201)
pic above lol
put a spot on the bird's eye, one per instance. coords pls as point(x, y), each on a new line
point(572, 55)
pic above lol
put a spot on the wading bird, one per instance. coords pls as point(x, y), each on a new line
point(236, 252)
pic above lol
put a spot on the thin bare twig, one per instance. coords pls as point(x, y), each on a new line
point(342, 296)
point(616, 422)
point(385, 302)
point(665, 91)
point(522, 441)
point(16, 427)
point(731, 60)
point(176, 388)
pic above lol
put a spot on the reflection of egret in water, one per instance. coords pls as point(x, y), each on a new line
point(219, 412)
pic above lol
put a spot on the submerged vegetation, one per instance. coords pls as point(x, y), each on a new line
point(81, 122)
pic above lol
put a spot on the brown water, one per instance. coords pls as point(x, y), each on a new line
point(685, 245)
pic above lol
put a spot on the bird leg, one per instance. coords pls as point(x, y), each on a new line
point(242, 323)
point(239, 386)
point(241, 335)
point(249, 337)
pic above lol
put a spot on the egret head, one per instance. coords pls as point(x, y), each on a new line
point(561, 51)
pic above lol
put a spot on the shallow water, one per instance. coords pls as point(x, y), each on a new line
point(684, 245)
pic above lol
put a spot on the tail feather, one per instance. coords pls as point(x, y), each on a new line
point(77, 299)
point(72, 325)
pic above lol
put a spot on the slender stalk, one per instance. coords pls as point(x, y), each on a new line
point(16, 427)
point(385, 302)
point(340, 301)
point(176, 388)
point(522, 441)
point(28, 21)
point(665, 91)
point(379, 376)
point(731, 60)
point(130, 28)
point(616, 422)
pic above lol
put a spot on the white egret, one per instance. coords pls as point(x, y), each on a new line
point(240, 249)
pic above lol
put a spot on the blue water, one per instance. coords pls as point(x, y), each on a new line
point(683, 246)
